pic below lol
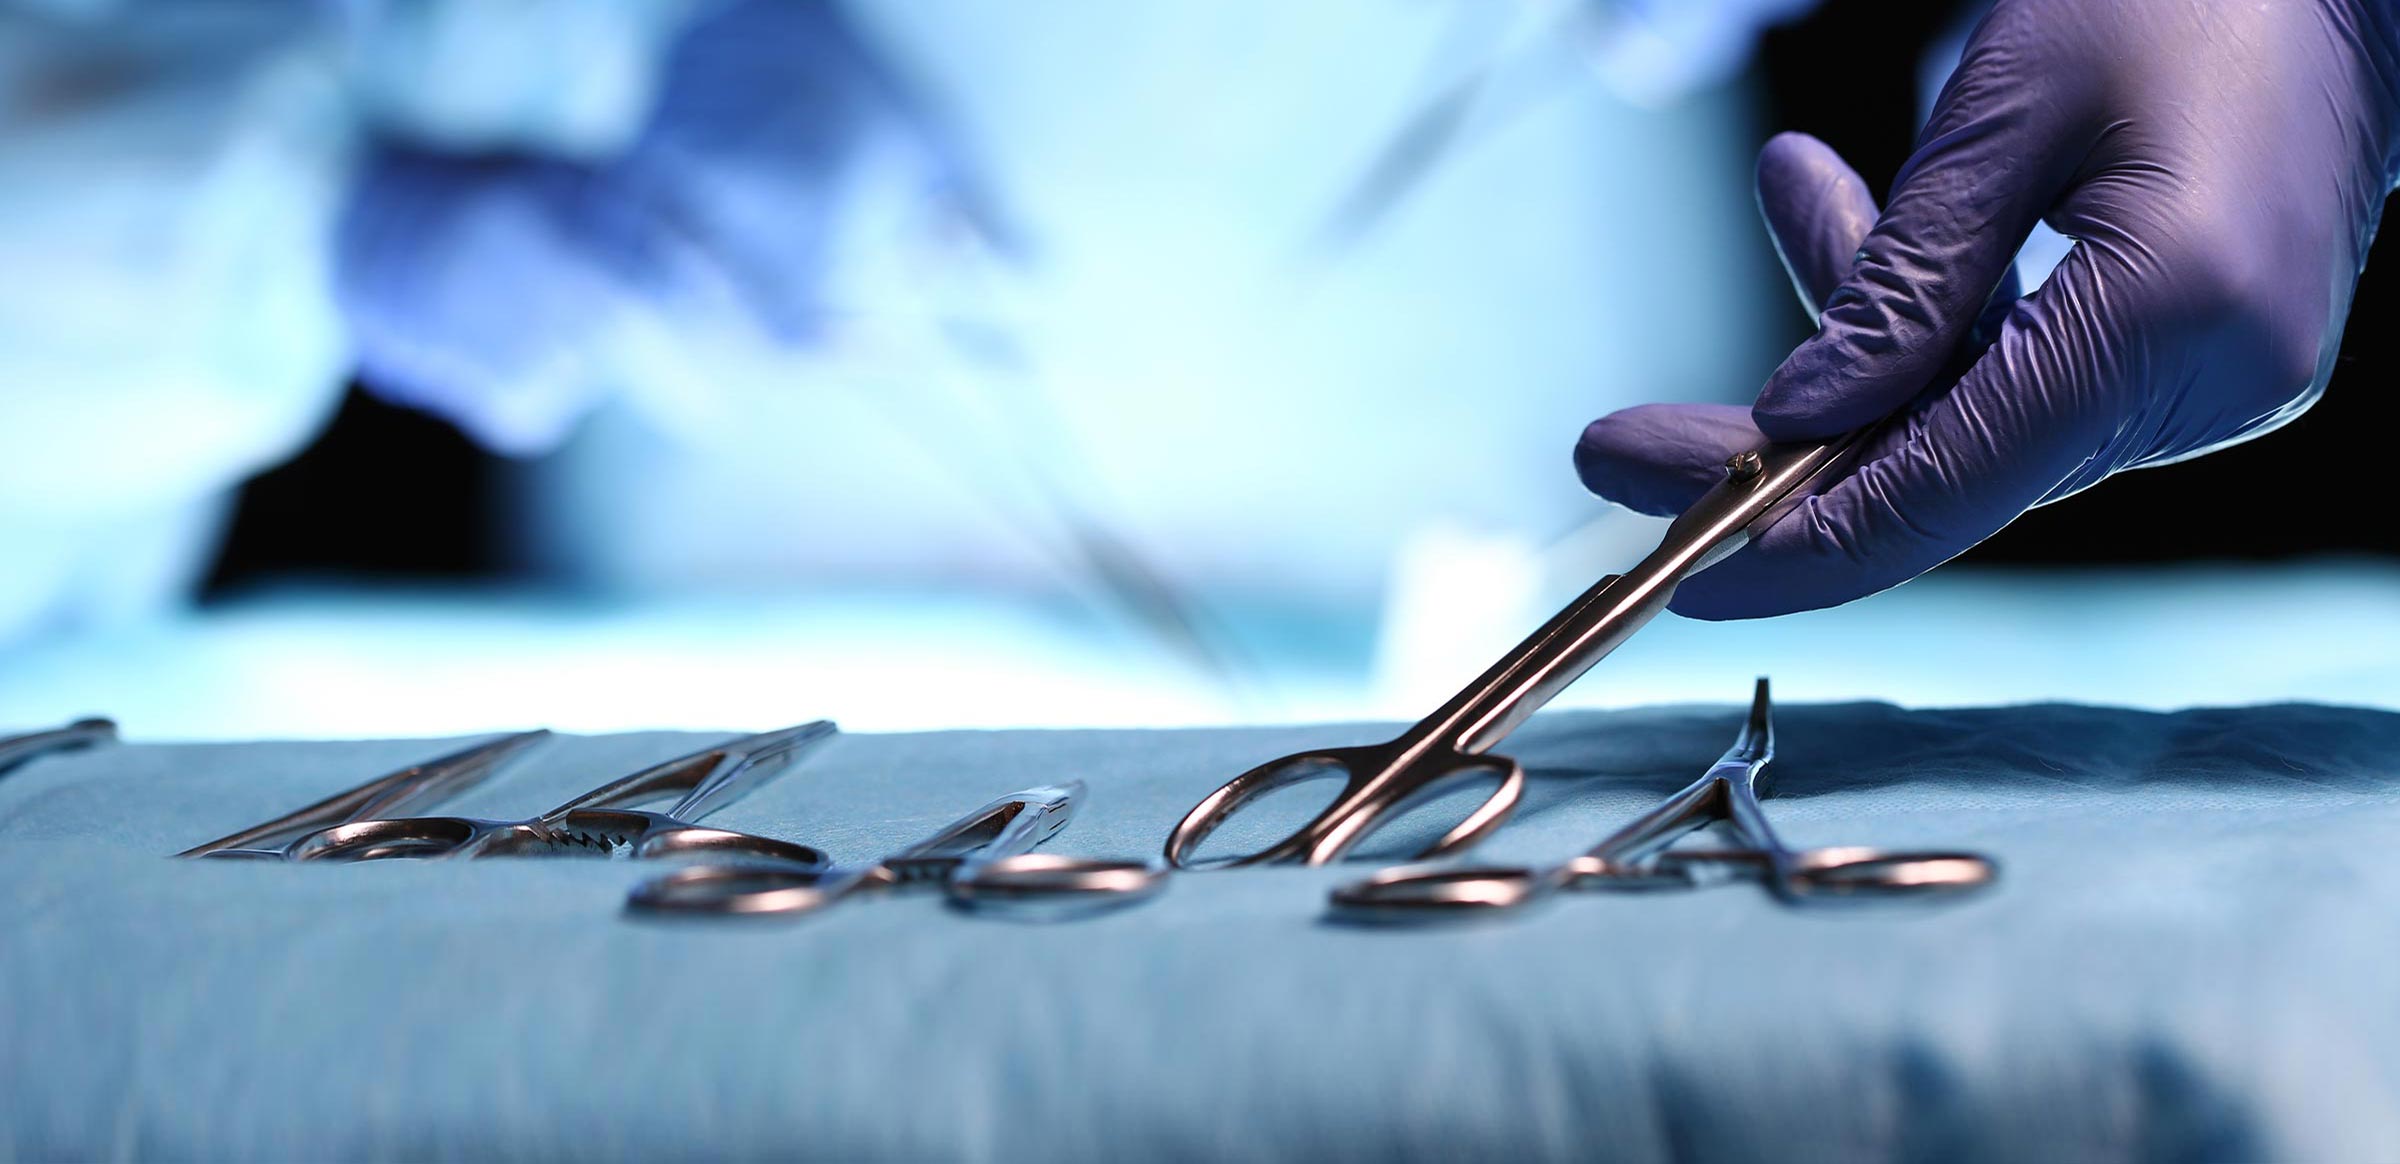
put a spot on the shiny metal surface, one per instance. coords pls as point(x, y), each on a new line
point(82, 733)
point(1638, 856)
point(1047, 884)
point(416, 786)
point(604, 821)
point(1449, 749)
point(1006, 828)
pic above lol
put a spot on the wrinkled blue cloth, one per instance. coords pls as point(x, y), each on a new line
point(2189, 957)
point(2222, 168)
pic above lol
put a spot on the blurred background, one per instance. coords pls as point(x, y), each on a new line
point(398, 367)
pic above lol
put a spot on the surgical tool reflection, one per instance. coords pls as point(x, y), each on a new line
point(1638, 856)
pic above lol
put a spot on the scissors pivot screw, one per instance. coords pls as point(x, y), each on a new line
point(1745, 465)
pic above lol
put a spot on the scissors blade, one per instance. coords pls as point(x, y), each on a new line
point(385, 796)
point(709, 779)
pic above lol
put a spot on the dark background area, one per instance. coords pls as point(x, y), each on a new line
point(392, 492)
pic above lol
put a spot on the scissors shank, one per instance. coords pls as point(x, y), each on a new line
point(1691, 808)
point(1551, 659)
point(1748, 820)
point(1759, 486)
point(1727, 793)
point(1604, 617)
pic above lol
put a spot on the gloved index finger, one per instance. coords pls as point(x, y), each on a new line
point(1817, 212)
point(1995, 155)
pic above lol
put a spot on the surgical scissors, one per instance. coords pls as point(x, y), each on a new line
point(603, 821)
point(1450, 749)
point(1638, 857)
point(1004, 829)
point(416, 785)
point(82, 733)
point(1050, 884)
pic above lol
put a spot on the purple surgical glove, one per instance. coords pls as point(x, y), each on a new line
point(2222, 168)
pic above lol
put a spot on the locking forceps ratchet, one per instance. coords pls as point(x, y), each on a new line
point(1638, 856)
point(1450, 749)
point(603, 821)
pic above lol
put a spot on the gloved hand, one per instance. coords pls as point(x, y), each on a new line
point(487, 289)
point(2222, 168)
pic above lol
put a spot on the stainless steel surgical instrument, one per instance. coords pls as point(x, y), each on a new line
point(82, 733)
point(603, 821)
point(412, 787)
point(1449, 750)
point(1638, 857)
point(1051, 884)
point(1007, 827)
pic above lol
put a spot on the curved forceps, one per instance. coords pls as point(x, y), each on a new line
point(82, 733)
point(1450, 748)
point(414, 786)
point(603, 821)
point(1637, 856)
point(1007, 827)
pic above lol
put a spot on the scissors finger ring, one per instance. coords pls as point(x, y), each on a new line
point(1431, 757)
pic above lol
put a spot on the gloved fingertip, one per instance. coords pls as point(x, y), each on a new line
point(1786, 150)
point(1814, 395)
point(1608, 459)
point(1591, 454)
point(1817, 210)
point(1659, 458)
point(1793, 160)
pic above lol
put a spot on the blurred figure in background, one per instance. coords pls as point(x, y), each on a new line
point(1141, 300)
point(169, 179)
point(1054, 362)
